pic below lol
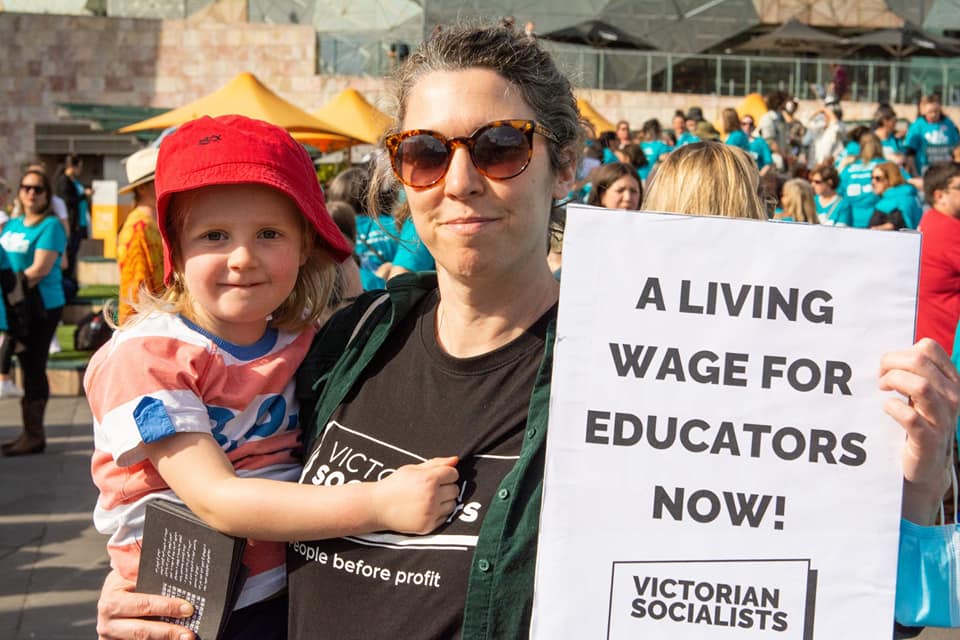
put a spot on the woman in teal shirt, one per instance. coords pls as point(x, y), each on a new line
point(34, 243)
point(899, 205)
point(733, 134)
point(855, 181)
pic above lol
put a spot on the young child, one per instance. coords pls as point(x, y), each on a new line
point(193, 398)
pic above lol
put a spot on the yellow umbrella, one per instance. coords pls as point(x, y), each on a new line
point(600, 124)
point(244, 95)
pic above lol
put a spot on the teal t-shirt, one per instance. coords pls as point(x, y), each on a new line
point(856, 189)
point(686, 138)
point(652, 149)
point(412, 254)
point(376, 244)
point(892, 147)
point(826, 212)
point(931, 141)
point(21, 243)
point(738, 139)
point(761, 153)
point(904, 198)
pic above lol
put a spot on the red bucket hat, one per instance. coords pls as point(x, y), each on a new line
point(240, 150)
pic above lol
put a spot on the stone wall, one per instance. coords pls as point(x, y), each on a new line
point(122, 61)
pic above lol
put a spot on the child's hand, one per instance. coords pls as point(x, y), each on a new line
point(417, 498)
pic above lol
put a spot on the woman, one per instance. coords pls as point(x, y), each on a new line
point(824, 179)
point(461, 362)
point(616, 186)
point(34, 243)
point(757, 146)
point(899, 204)
point(855, 182)
point(139, 248)
point(733, 134)
point(797, 202)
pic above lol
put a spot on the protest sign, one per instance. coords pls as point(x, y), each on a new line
point(718, 463)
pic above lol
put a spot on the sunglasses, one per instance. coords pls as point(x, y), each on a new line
point(746, 123)
point(499, 150)
point(38, 189)
point(816, 181)
point(878, 178)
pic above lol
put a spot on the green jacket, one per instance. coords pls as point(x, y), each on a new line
point(500, 588)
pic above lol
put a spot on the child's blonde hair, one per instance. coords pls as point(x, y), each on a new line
point(798, 202)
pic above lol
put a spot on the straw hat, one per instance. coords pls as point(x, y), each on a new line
point(140, 167)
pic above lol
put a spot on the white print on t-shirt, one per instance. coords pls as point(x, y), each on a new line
point(15, 242)
point(346, 455)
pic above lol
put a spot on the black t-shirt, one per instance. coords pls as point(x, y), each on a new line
point(414, 402)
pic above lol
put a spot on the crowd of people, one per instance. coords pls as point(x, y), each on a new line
point(441, 382)
point(863, 175)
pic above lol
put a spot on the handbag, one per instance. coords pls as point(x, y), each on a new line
point(24, 306)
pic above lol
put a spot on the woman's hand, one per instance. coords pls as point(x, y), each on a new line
point(120, 613)
point(929, 380)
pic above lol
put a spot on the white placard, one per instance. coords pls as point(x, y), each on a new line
point(718, 461)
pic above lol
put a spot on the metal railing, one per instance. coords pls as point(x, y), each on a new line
point(728, 75)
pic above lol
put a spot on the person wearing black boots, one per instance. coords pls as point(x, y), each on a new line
point(34, 244)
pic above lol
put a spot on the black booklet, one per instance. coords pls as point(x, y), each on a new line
point(182, 557)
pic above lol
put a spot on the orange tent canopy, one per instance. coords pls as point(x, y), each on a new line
point(244, 95)
point(591, 115)
point(354, 116)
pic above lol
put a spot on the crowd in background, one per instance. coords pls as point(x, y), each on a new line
point(819, 169)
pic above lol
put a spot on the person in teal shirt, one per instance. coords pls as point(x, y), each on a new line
point(931, 138)
point(653, 146)
point(899, 205)
point(34, 244)
point(686, 138)
point(824, 179)
point(733, 134)
point(761, 153)
point(885, 126)
point(412, 254)
point(855, 181)
point(757, 147)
